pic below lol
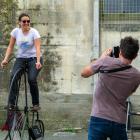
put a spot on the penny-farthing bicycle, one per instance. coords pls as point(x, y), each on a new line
point(22, 123)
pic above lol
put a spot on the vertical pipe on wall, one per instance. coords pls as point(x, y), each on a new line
point(95, 45)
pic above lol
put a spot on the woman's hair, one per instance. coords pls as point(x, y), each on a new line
point(129, 47)
point(23, 15)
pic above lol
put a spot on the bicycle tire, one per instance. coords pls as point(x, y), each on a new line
point(16, 83)
point(18, 128)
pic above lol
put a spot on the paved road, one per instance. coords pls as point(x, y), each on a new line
point(59, 136)
point(66, 136)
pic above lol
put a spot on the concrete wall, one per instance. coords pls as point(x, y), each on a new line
point(66, 30)
point(69, 24)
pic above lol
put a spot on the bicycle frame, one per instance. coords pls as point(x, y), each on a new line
point(18, 128)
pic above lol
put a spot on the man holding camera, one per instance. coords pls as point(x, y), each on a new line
point(117, 80)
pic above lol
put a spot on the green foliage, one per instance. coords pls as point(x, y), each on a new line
point(8, 10)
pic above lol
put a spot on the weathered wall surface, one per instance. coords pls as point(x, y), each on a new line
point(66, 26)
point(66, 31)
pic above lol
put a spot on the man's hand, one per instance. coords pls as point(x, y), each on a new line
point(106, 53)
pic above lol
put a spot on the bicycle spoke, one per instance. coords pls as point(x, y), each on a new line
point(14, 132)
point(18, 130)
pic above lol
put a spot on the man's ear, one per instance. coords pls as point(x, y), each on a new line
point(120, 53)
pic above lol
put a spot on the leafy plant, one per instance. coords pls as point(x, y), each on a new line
point(8, 10)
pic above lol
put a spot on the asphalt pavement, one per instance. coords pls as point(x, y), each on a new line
point(66, 136)
point(58, 135)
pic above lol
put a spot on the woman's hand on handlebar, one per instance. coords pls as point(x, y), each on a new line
point(4, 63)
point(38, 65)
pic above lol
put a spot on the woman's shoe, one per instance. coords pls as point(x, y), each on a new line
point(10, 107)
point(35, 108)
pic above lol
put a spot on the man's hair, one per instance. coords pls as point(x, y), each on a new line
point(129, 47)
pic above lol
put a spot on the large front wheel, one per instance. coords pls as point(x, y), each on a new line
point(17, 117)
point(18, 126)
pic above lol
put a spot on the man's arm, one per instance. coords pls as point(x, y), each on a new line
point(88, 71)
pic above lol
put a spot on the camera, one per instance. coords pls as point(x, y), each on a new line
point(115, 52)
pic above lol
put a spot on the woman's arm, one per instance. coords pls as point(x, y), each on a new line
point(37, 45)
point(8, 51)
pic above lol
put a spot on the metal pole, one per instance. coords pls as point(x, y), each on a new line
point(96, 47)
point(96, 40)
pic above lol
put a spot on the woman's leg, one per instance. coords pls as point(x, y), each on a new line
point(32, 80)
point(19, 63)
